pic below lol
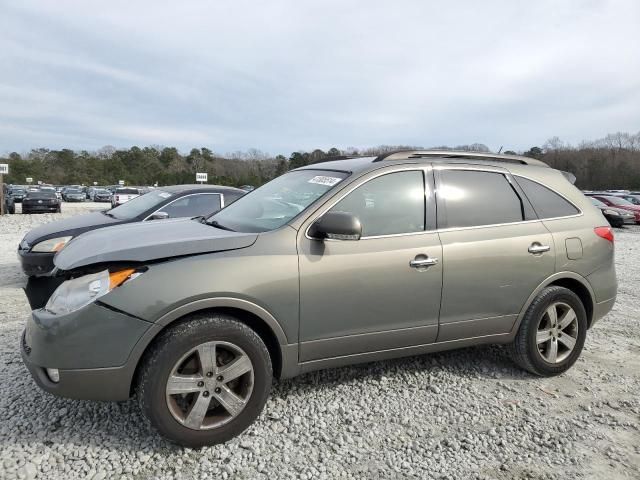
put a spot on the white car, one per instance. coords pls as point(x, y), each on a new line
point(123, 195)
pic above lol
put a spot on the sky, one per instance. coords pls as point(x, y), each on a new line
point(292, 75)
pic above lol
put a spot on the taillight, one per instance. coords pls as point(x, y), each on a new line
point(604, 232)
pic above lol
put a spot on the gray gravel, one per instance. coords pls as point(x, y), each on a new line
point(464, 414)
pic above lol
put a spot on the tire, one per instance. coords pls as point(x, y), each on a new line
point(532, 352)
point(173, 347)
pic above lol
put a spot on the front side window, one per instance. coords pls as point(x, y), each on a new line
point(388, 205)
point(473, 198)
point(194, 205)
point(276, 203)
point(546, 202)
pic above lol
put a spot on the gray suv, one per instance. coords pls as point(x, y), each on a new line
point(345, 261)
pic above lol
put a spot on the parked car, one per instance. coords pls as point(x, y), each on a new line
point(41, 200)
point(357, 260)
point(9, 202)
point(123, 194)
point(629, 197)
point(17, 193)
point(248, 188)
point(100, 195)
point(618, 202)
point(37, 248)
point(73, 195)
point(615, 216)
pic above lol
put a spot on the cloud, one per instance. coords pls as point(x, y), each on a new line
point(282, 76)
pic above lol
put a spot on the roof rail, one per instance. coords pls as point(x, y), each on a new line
point(407, 154)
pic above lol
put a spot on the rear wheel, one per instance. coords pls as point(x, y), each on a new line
point(552, 333)
point(205, 381)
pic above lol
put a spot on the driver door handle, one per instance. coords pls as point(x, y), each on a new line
point(537, 248)
point(423, 262)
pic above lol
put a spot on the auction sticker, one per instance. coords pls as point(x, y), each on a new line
point(322, 180)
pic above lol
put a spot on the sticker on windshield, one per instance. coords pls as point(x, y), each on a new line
point(164, 194)
point(322, 180)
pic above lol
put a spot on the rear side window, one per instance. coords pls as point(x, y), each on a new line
point(473, 198)
point(546, 202)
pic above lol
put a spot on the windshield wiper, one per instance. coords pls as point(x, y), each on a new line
point(106, 212)
point(215, 223)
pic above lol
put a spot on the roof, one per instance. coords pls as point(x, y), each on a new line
point(358, 164)
point(200, 188)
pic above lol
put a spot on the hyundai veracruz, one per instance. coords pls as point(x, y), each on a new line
point(331, 264)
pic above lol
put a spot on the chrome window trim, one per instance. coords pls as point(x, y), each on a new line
point(185, 196)
point(424, 168)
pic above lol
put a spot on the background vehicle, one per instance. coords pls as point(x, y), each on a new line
point(629, 197)
point(42, 200)
point(123, 194)
point(37, 248)
point(355, 260)
point(100, 195)
point(618, 202)
point(73, 195)
point(9, 203)
point(17, 193)
point(615, 216)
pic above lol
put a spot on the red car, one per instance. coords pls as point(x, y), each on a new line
point(618, 202)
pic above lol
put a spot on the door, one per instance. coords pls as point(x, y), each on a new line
point(379, 292)
point(495, 252)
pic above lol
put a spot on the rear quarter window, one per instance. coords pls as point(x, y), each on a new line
point(546, 202)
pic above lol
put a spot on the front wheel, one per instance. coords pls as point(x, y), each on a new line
point(552, 333)
point(205, 381)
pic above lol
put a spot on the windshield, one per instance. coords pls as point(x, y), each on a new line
point(19, 191)
point(72, 190)
point(137, 206)
point(277, 202)
point(101, 191)
point(597, 202)
point(42, 194)
point(619, 201)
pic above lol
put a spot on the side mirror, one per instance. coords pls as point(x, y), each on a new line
point(159, 216)
point(336, 226)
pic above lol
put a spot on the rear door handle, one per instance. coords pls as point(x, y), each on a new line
point(537, 248)
point(423, 262)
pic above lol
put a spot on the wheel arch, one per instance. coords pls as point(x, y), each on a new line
point(252, 315)
point(570, 280)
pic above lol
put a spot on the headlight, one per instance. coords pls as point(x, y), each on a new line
point(76, 293)
point(51, 245)
point(611, 212)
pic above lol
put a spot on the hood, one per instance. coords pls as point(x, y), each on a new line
point(70, 226)
point(145, 241)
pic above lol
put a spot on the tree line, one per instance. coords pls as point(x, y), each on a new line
point(609, 162)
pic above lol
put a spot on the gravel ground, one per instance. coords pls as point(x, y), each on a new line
point(463, 414)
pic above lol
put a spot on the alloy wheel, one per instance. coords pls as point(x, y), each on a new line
point(210, 385)
point(557, 332)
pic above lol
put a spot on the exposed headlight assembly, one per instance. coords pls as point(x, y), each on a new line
point(78, 292)
point(611, 212)
point(51, 245)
